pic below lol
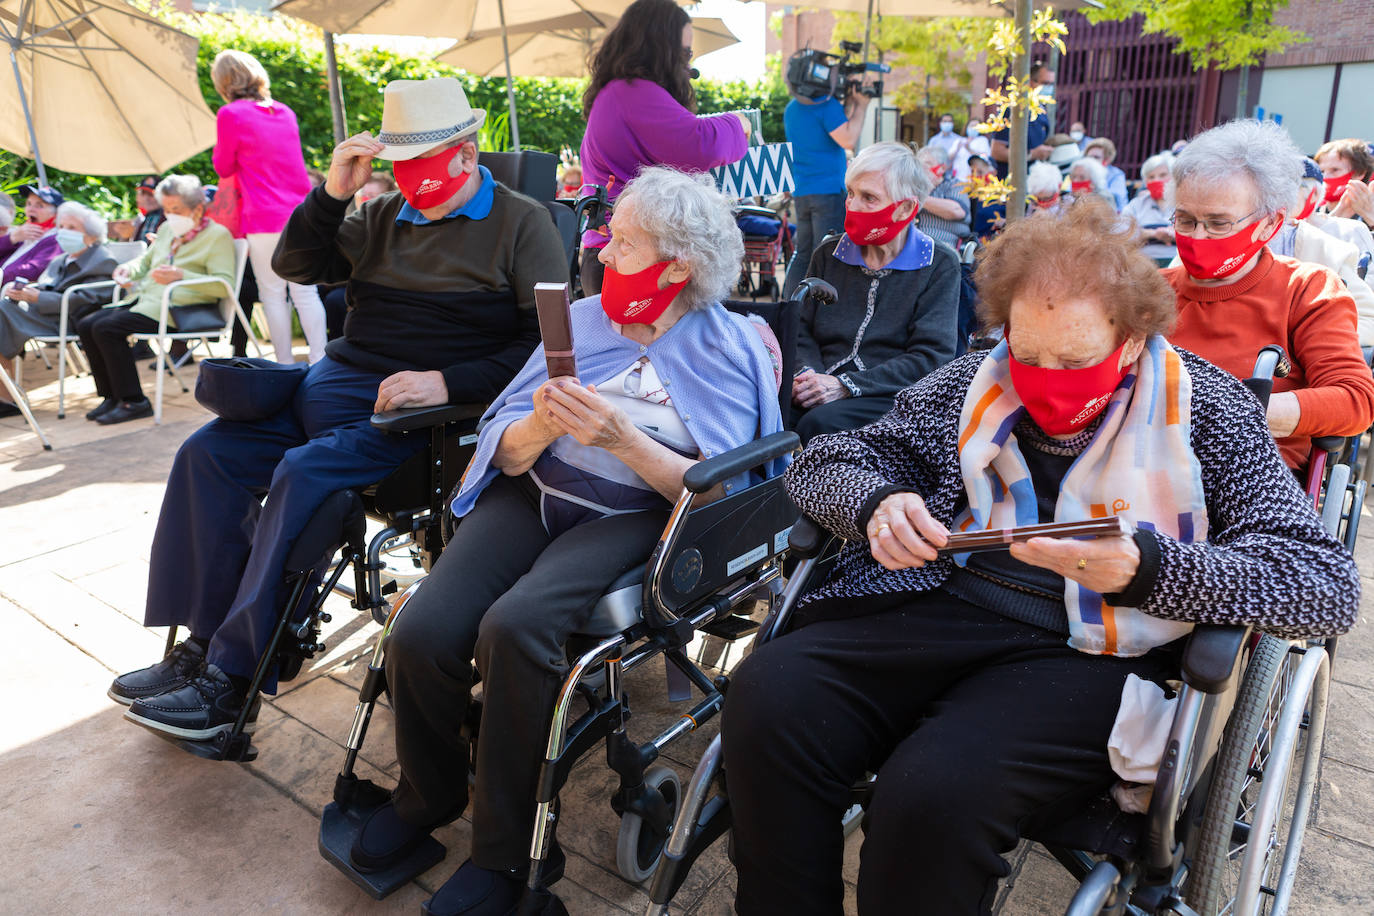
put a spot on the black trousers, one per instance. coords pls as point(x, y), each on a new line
point(972, 721)
point(105, 337)
point(841, 415)
point(506, 593)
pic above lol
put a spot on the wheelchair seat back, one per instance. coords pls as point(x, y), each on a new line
point(529, 172)
point(784, 318)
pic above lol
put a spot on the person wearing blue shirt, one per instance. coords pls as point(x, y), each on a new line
point(1104, 151)
point(1037, 132)
point(820, 131)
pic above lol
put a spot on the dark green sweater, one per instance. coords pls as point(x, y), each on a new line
point(456, 295)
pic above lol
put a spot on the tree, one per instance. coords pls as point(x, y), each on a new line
point(1225, 34)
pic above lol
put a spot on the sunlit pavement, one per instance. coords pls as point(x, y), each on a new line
point(101, 816)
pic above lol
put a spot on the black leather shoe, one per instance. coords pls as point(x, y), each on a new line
point(185, 659)
point(126, 410)
point(477, 891)
point(205, 706)
point(384, 840)
point(103, 408)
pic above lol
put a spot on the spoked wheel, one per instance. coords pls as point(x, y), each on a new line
point(1252, 829)
point(638, 847)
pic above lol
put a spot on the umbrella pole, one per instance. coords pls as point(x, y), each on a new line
point(868, 34)
point(336, 107)
point(1020, 121)
point(28, 120)
point(510, 84)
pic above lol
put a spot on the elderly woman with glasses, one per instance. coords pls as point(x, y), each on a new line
point(189, 246)
point(1234, 184)
point(569, 488)
point(896, 319)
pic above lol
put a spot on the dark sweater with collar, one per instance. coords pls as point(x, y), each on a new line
point(888, 329)
point(1267, 561)
point(455, 295)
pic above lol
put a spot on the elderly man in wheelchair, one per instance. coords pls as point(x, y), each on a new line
point(440, 283)
point(981, 685)
point(571, 484)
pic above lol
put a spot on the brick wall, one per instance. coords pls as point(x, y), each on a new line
point(1339, 32)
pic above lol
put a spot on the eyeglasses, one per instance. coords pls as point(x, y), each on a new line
point(1216, 228)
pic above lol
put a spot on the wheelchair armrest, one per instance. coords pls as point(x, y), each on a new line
point(1210, 656)
point(806, 539)
point(1328, 443)
point(815, 288)
point(704, 475)
point(405, 419)
point(755, 210)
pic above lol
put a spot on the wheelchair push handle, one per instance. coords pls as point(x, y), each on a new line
point(1271, 363)
point(704, 475)
point(818, 289)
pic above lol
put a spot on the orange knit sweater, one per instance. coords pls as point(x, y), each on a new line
point(1303, 308)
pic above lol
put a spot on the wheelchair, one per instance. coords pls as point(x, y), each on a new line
point(1224, 828)
point(764, 248)
point(709, 568)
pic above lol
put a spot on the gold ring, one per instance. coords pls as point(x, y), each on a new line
point(881, 528)
point(1082, 563)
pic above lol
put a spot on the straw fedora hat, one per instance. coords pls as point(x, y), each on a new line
point(418, 115)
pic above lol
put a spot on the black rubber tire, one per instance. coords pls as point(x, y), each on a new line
point(637, 851)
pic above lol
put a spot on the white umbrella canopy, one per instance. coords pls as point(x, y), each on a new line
point(458, 18)
point(99, 87)
point(562, 52)
point(977, 9)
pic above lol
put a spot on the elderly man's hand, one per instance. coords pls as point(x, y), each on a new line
point(121, 276)
point(411, 389)
point(26, 232)
point(812, 389)
point(902, 534)
point(588, 417)
point(24, 294)
point(351, 166)
point(165, 273)
point(1105, 565)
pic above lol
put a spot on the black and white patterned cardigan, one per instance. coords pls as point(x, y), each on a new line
point(1267, 560)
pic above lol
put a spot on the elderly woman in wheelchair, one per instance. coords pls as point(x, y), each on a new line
point(981, 687)
point(569, 488)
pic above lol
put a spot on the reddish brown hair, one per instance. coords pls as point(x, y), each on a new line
point(1354, 152)
point(1089, 251)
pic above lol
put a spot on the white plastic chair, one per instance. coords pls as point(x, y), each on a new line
point(229, 307)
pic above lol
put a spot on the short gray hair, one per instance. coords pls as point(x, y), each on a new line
point(1043, 178)
point(186, 188)
point(934, 154)
point(92, 223)
point(903, 175)
point(1097, 172)
point(688, 220)
point(1261, 150)
point(1165, 159)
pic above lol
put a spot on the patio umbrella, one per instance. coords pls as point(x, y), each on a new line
point(563, 52)
point(100, 87)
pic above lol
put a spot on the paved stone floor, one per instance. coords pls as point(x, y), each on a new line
point(101, 816)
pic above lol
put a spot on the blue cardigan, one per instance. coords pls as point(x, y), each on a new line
point(712, 363)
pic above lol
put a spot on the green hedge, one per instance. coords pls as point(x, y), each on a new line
point(550, 110)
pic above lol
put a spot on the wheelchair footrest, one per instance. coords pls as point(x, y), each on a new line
point(240, 750)
point(337, 830)
point(731, 628)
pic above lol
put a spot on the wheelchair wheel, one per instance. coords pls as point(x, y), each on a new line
point(1253, 824)
point(638, 848)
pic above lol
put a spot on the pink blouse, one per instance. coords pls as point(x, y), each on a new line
point(261, 146)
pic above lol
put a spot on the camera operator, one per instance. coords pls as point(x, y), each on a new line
point(820, 128)
point(1037, 131)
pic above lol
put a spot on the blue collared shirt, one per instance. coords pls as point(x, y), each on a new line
point(918, 252)
point(477, 208)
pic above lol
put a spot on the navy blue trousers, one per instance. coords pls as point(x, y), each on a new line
point(238, 496)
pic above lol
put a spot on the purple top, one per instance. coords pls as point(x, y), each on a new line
point(31, 264)
point(261, 146)
point(634, 123)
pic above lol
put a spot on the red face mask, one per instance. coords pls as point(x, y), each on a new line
point(635, 298)
point(1213, 259)
point(1309, 205)
point(1045, 203)
point(1081, 187)
point(1156, 189)
point(426, 182)
point(47, 224)
point(1064, 401)
point(939, 173)
point(1335, 187)
point(876, 227)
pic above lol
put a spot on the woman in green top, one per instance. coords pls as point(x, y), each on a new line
point(187, 247)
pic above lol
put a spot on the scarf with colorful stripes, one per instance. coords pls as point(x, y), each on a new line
point(1140, 465)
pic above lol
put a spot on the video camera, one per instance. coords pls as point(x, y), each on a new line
point(818, 75)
